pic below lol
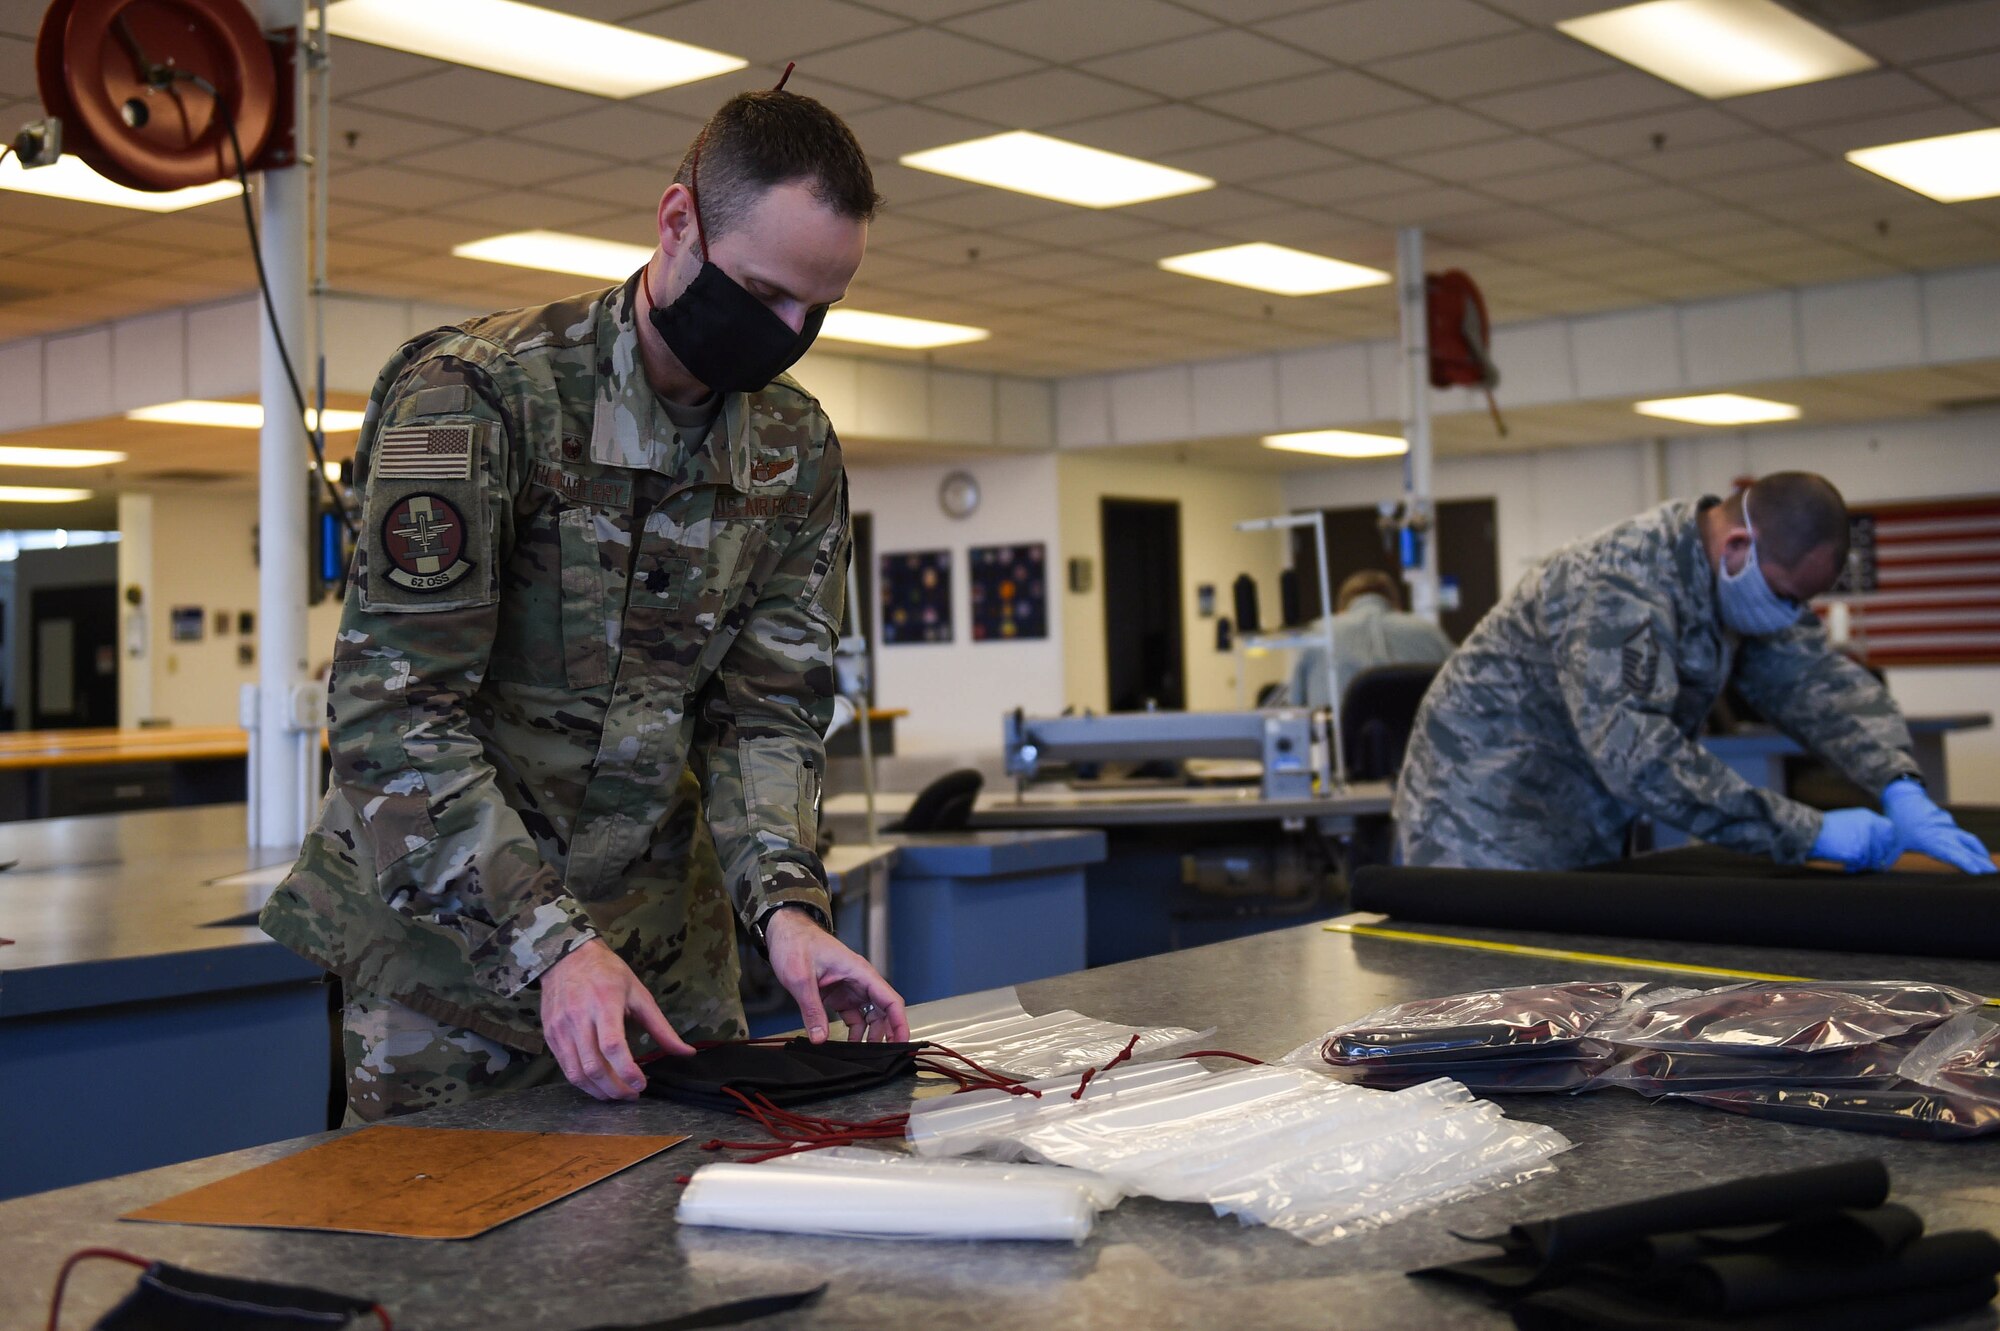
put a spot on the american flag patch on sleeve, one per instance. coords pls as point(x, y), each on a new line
point(424, 453)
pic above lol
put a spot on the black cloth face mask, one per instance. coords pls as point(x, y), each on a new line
point(725, 336)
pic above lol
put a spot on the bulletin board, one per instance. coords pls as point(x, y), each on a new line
point(1010, 592)
point(1923, 582)
point(916, 597)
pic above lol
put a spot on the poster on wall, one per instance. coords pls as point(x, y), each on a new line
point(1010, 592)
point(916, 596)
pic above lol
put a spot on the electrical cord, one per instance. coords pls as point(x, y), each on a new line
point(316, 431)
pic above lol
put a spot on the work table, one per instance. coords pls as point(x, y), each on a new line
point(614, 1253)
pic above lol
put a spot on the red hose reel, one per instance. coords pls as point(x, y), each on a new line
point(147, 90)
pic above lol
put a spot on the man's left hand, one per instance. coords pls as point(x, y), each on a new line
point(824, 974)
point(1923, 826)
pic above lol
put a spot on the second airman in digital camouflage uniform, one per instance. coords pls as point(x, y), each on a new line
point(586, 656)
point(1576, 703)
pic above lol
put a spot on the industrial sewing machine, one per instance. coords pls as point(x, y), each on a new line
point(1291, 743)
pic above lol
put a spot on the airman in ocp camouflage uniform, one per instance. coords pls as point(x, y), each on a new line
point(583, 672)
point(1575, 705)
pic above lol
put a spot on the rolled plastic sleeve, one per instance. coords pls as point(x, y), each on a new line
point(1619, 685)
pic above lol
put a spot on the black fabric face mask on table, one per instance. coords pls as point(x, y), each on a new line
point(796, 1072)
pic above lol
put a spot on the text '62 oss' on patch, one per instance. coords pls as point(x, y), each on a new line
point(423, 538)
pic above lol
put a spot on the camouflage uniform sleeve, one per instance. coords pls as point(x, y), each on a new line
point(1827, 703)
point(415, 635)
point(1619, 685)
point(766, 709)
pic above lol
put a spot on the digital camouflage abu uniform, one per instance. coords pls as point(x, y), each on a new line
point(1576, 703)
point(567, 631)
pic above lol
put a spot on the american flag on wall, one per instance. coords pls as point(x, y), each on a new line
point(1923, 583)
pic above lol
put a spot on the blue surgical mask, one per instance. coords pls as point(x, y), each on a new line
point(1748, 604)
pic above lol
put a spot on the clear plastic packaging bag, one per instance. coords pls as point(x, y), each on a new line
point(1962, 1056)
point(1132, 1133)
point(986, 1122)
point(995, 1031)
point(1787, 1018)
point(1656, 1072)
point(1103, 1192)
point(869, 1201)
point(1907, 1110)
point(1539, 1021)
point(1493, 1076)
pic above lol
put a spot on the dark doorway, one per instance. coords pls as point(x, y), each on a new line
point(1142, 604)
point(1468, 552)
point(72, 657)
point(863, 590)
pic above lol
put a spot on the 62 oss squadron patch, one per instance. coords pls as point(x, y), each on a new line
point(423, 538)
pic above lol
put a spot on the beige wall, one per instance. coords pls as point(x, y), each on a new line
point(1212, 502)
point(192, 548)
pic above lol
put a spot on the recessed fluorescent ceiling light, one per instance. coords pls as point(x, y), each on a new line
point(1950, 168)
point(1056, 169)
point(13, 456)
point(1339, 443)
point(35, 494)
point(1275, 268)
point(893, 330)
point(233, 415)
point(555, 252)
point(1718, 409)
point(69, 178)
point(587, 256)
point(1719, 48)
point(530, 42)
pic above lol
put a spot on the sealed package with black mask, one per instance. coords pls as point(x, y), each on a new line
point(795, 1072)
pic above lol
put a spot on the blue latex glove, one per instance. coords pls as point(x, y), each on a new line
point(1860, 839)
point(1923, 826)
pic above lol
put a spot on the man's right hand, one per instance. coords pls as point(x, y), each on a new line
point(585, 999)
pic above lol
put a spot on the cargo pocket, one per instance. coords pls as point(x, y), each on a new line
point(586, 648)
point(776, 790)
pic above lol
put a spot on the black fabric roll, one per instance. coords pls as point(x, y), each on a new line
point(1850, 1235)
point(1736, 1284)
point(1592, 1308)
point(1917, 914)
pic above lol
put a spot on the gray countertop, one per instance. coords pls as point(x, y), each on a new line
point(613, 1253)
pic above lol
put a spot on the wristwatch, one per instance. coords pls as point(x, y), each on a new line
point(819, 917)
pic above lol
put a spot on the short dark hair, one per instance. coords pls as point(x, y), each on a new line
point(1369, 582)
point(1796, 513)
point(769, 137)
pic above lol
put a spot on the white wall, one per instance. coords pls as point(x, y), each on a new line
point(185, 548)
point(955, 692)
point(1212, 501)
point(1545, 498)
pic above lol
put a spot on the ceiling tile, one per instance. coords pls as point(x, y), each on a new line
point(1621, 205)
point(1564, 181)
point(1582, 101)
point(1047, 97)
point(890, 132)
point(635, 226)
point(1493, 64)
point(951, 248)
point(427, 232)
point(620, 130)
point(1419, 207)
point(1365, 30)
point(1972, 76)
point(763, 30)
point(1496, 223)
point(516, 210)
point(360, 66)
point(1081, 229)
point(1046, 265)
point(1255, 159)
point(614, 188)
point(903, 185)
point(699, 100)
point(984, 208)
point(1833, 100)
point(1686, 127)
point(1069, 33)
point(1867, 133)
point(1417, 130)
point(1482, 161)
point(1206, 63)
point(1154, 131)
point(1316, 99)
point(1940, 30)
point(377, 137)
point(929, 11)
point(395, 189)
point(1345, 183)
point(1694, 164)
point(476, 99)
point(1546, 11)
point(918, 62)
point(501, 161)
point(17, 67)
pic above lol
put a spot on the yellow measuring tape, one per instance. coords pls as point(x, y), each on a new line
point(1559, 954)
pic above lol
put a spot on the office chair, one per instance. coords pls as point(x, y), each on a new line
point(1377, 713)
point(945, 805)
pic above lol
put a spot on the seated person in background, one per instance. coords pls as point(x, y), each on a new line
point(1574, 706)
point(1370, 629)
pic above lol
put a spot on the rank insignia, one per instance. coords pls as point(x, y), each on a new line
point(423, 538)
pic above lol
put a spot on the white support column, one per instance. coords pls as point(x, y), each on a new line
point(278, 798)
point(1419, 512)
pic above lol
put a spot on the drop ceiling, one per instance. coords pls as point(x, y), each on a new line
point(1564, 181)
